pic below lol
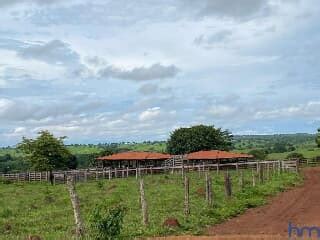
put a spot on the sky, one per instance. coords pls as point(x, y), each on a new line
point(110, 71)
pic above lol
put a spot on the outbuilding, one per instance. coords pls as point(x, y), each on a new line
point(215, 156)
point(133, 159)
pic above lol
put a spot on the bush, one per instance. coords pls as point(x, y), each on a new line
point(295, 155)
point(106, 223)
point(258, 154)
point(5, 180)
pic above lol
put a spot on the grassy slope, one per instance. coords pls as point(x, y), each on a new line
point(44, 210)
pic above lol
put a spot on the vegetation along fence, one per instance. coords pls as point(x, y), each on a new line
point(84, 175)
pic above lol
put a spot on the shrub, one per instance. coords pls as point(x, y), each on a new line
point(100, 184)
point(258, 154)
point(106, 223)
point(5, 180)
point(295, 155)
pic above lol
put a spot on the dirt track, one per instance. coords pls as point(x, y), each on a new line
point(301, 206)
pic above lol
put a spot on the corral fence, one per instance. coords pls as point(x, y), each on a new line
point(309, 162)
point(83, 175)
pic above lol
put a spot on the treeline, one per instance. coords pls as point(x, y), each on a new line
point(278, 143)
point(85, 154)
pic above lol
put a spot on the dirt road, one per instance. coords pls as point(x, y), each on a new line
point(300, 206)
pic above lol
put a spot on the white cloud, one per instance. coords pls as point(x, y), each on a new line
point(223, 111)
point(150, 114)
point(308, 110)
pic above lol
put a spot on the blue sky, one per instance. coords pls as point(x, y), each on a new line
point(127, 70)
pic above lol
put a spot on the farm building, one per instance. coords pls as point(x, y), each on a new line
point(133, 159)
point(214, 156)
point(151, 159)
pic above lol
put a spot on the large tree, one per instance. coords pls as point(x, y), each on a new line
point(47, 153)
point(318, 138)
point(197, 138)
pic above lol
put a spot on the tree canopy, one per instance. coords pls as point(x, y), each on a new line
point(197, 138)
point(258, 154)
point(318, 138)
point(47, 153)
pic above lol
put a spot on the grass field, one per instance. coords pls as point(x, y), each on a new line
point(44, 210)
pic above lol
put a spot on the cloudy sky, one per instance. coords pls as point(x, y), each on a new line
point(106, 71)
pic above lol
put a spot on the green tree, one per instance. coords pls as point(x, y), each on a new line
point(258, 154)
point(197, 138)
point(318, 138)
point(279, 147)
point(47, 153)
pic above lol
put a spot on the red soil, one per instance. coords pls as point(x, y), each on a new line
point(171, 222)
point(300, 205)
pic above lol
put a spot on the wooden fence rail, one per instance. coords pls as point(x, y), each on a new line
point(83, 175)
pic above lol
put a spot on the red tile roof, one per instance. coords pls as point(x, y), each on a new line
point(135, 156)
point(215, 154)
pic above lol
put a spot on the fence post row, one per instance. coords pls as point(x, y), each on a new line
point(263, 171)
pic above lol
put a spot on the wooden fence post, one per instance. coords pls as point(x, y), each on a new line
point(207, 187)
point(144, 206)
point(279, 167)
point(109, 173)
point(241, 180)
point(268, 172)
point(208, 190)
point(237, 169)
point(186, 196)
point(218, 168)
point(227, 185)
point(273, 168)
point(261, 177)
point(136, 173)
point(182, 169)
point(210, 199)
point(253, 178)
point(76, 207)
